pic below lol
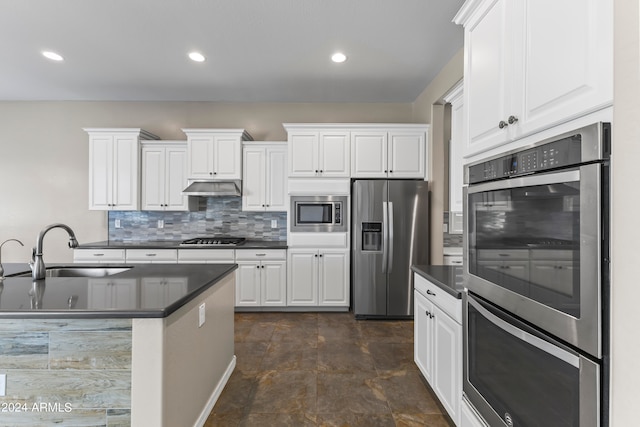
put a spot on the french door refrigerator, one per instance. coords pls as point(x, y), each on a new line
point(390, 232)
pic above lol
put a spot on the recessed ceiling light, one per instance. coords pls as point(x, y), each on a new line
point(196, 56)
point(338, 57)
point(52, 56)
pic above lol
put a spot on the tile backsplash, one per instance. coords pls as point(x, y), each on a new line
point(219, 216)
point(450, 240)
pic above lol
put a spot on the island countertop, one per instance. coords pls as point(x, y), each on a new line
point(447, 277)
point(141, 291)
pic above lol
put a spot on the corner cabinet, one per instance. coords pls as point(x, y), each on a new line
point(525, 71)
point(215, 153)
point(164, 176)
point(318, 277)
point(264, 176)
point(114, 168)
point(438, 343)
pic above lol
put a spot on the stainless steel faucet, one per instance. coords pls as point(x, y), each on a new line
point(37, 266)
point(1, 245)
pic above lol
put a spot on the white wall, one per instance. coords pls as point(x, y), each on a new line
point(44, 154)
point(625, 290)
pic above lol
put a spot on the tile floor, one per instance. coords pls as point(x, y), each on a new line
point(324, 369)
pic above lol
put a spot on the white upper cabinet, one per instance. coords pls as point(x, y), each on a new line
point(455, 98)
point(527, 70)
point(114, 168)
point(265, 177)
point(318, 153)
point(215, 153)
point(343, 150)
point(382, 152)
point(164, 176)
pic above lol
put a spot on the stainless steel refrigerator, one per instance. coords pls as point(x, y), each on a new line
point(390, 232)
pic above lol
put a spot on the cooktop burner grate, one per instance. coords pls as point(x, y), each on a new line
point(213, 241)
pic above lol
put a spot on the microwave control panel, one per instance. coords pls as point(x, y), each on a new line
point(557, 154)
point(338, 213)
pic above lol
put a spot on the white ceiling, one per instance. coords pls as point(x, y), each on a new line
point(256, 50)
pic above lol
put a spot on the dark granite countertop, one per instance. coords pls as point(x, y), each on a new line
point(142, 291)
point(447, 277)
point(175, 244)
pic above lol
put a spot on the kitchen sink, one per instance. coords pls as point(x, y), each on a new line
point(78, 272)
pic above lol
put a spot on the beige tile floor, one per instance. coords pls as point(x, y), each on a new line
point(324, 369)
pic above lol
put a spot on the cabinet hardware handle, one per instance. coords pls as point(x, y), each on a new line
point(320, 170)
point(98, 254)
point(210, 173)
point(390, 171)
point(320, 255)
point(316, 255)
point(427, 313)
point(385, 171)
point(263, 266)
point(429, 292)
point(151, 254)
point(257, 266)
point(512, 119)
point(503, 124)
point(431, 315)
point(261, 254)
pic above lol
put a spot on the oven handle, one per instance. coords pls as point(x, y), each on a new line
point(533, 340)
point(527, 181)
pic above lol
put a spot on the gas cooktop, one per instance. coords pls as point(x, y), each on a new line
point(213, 241)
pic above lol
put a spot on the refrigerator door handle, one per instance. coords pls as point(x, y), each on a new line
point(390, 238)
point(385, 236)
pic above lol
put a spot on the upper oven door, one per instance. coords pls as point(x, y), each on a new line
point(533, 248)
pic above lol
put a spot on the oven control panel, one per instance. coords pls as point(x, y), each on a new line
point(557, 154)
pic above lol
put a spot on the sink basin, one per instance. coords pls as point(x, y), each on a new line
point(78, 272)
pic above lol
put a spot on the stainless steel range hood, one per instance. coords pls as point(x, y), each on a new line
point(213, 188)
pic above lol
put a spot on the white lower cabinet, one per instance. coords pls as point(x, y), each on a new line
point(318, 277)
point(113, 293)
point(261, 278)
point(438, 343)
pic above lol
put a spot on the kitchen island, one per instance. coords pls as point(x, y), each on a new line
point(145, 345)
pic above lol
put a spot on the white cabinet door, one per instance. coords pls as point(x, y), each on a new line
point(303, 154)
point(302, 278)
point(227, 156)
point(423, 335)
point(487, 61)
point(125, 173)
point(334, 155)
point(447, 357)
point(153, 178)
point(176, 179)
point(276, 198)
point(333, 277)
point(100, 172)
point(200, 149)
point(99, 256)
point(248, 283)
point(407, 154)
point(456, 169)
point(565, 73)
point(273, 283)
point(253, 185)
point(369, 153)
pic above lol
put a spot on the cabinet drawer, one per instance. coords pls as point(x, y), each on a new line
point(206, 255)
point(152, 255)
point(98, 255)
point(260, 254)
point(503, 254)
point(434, 293)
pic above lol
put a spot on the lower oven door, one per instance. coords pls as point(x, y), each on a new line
point(517, 376)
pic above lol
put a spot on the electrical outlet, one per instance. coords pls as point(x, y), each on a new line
point(118, 224)
point(160, 223)
point(274, 223)
point(201, 315)
point(3, 384)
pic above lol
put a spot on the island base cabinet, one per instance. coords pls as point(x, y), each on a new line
point(180, 368)
point(438, 343)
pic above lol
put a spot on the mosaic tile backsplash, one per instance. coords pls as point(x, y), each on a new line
point(450, 240)
point(216, 216)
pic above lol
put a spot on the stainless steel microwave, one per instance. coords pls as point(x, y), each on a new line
point(318, 214)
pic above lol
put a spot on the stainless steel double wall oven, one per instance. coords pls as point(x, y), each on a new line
point(536, 250)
